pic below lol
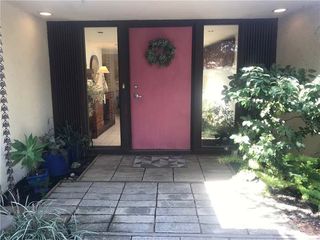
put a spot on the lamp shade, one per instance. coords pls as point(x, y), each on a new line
point(103, 69)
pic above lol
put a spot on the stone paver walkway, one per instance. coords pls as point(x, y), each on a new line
point(198, 202)
point(120, 168)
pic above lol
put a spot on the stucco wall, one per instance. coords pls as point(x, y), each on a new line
point(27, 71)
point(299, 45)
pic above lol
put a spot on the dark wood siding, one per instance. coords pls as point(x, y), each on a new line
point(257, 42)
point(66, 51)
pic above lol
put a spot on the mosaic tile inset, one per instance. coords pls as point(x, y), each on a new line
point(146, 161)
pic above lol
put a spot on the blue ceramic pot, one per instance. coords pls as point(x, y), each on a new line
point(56, 164)
point(39, 182)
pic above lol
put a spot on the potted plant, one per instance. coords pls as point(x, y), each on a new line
point(29, 154)
point(55, 154)
point(75, 142)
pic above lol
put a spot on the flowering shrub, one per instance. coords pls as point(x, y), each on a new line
point(265, 137)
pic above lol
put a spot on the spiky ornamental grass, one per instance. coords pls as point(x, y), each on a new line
point(37, 221)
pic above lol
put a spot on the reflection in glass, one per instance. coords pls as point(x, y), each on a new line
point(103, 86)
point(219, 62)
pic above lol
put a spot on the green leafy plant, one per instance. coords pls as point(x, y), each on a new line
point(217, 121)
point(39, 221)
point(76, 143)
point(70, 137)
point(54, 145)
point(29, 153)
point(302, 175)
point(266, 136)
point(95, 94)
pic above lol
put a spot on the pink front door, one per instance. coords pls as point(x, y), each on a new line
point(160, 118)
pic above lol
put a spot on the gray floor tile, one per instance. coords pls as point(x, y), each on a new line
point(201, 196)
point(93, 218)
point(141, 188)
point(176, 211)
point(71, 189)
point(93, 227)
point(133, 219)
point(137, 178)
point(175, 204)
point(209, 219)
point(75, 184)
point(155, 238)
point(177, 219)
point(173, 196)
point(63, 202)
point(204, 203)
point(137, 203)
point(158, 174)
point(99, 237)
point(96, 178)
point(135, 211)
point(102, 196)
point(216, 229)
point(206, 238)
point(174, 188)
point(104, 190)
point(198, 188)
point(131, 227)
point(177, 228)
point(205, 211)
point(95, 210)
point(58, 195)
point(108, 185)
point(188, 178)
point(63, 210)
point(98, 203)
point(138, 197)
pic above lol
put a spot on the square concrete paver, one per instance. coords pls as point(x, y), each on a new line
point(133, 219)
point(174, 188)
point(177, 228)
point(131, 227)
point(135, 211)
point(158, 175)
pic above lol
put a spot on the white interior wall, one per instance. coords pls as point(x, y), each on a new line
point(299, 45)
point(27, 72)
point(92, 49)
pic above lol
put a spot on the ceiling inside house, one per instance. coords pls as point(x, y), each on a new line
point(159, 9)
point(215, 33)
point(102, 37)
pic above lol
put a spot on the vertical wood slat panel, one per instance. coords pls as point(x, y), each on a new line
point(67, 58)
point(257, 42)
point(257, 46)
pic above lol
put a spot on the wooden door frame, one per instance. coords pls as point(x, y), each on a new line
point(196, 78)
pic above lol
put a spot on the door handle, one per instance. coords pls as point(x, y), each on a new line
point(137, 96)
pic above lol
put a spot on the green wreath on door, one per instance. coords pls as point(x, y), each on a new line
point(160, 52)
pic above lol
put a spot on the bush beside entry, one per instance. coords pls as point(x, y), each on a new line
point(266, 140)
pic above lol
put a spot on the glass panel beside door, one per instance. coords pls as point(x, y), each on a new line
point(102, 77)
point(219, 62)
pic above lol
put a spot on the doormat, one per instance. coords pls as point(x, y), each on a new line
point(159, 162)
